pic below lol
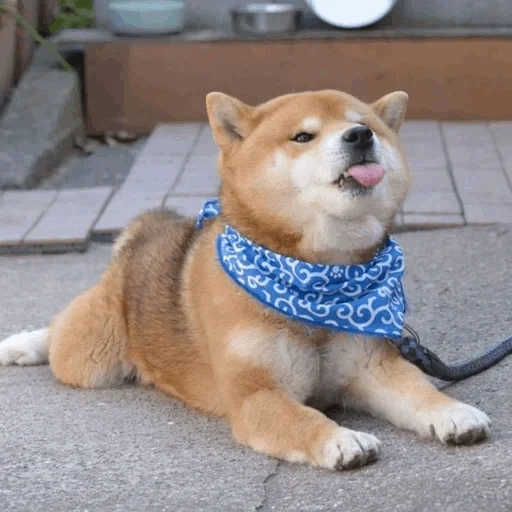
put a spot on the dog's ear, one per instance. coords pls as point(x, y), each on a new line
point(391, 109)
point(230, 119)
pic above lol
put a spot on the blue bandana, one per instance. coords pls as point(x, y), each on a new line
point(360, 299)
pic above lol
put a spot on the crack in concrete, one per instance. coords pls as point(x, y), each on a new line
point(263, 505)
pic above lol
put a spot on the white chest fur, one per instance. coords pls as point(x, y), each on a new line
point(308, 372)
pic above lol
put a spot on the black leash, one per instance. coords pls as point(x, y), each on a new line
point(411, 348)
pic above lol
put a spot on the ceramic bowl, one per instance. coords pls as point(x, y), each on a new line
point(146, 17)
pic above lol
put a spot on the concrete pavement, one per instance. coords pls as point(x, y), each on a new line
point(137, 450)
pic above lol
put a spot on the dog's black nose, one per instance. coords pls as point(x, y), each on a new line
point(359, 137)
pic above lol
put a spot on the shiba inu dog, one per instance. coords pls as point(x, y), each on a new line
point(315, 177)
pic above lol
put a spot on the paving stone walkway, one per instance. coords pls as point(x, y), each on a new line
point(462, 175)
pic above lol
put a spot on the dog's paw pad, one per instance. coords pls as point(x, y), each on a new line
point(348, 449)
point(459, 424)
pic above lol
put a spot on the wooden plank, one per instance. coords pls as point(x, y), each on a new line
point(442, 81)
point(112, 64)
point(19, 211)
point(69, 219)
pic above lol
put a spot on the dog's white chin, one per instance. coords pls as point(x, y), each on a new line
point(334, 201)
point(341, 222)
point(331, 236)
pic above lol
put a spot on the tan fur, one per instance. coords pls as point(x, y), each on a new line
point(166, 314)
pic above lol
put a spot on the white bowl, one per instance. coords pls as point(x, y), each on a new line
point(146, 17)
point(351, 13)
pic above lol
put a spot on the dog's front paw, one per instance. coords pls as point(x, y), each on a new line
point(348, 449)
point(459, 423)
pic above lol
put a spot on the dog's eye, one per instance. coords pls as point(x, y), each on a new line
point(303, 137)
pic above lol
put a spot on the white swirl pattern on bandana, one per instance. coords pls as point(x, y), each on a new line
point(360, 299)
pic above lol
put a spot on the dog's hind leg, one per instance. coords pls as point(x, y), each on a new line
point(86, 344)
point(88, 340)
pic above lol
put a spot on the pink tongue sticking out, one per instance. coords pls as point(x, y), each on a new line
point(368, 175)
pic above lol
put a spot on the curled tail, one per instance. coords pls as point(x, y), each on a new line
point(25, 348)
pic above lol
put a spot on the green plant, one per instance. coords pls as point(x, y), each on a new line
point(74, 14)
point(8, 10)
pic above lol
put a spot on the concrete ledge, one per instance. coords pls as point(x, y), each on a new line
point(78, 38)
point(39, 124)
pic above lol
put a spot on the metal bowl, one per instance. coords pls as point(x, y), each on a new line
point(266, 18)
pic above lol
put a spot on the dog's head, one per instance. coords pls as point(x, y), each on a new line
point(318, 175)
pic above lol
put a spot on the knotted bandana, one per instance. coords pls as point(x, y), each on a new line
point(365, 299)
